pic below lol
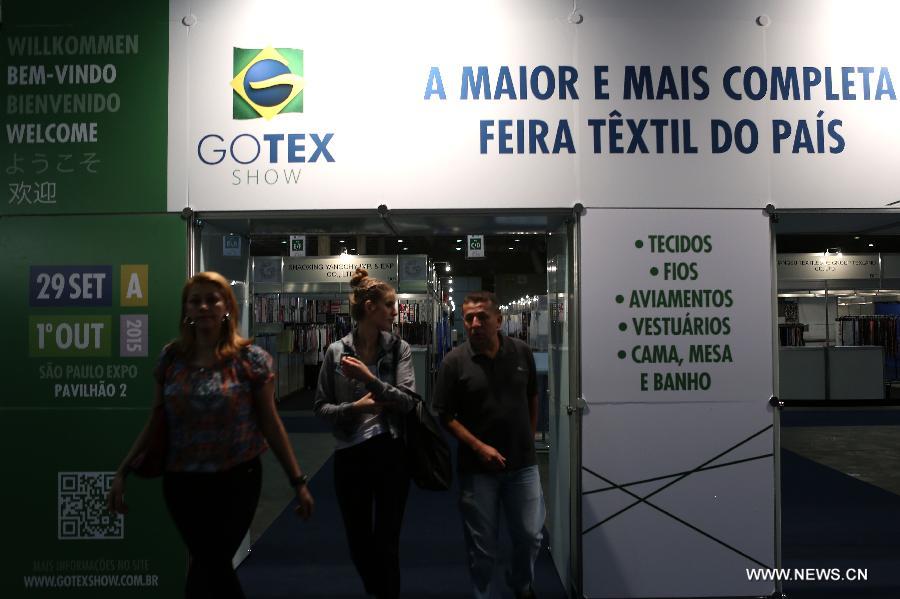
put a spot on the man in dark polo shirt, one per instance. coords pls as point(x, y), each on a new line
point(487, 397)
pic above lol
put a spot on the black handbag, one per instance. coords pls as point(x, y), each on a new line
point(151, 461)
point(427, 450)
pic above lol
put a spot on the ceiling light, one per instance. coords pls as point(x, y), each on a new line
point(284, 242)
point(404, 249)
point(340, 241)
point(457, 249)
point(516, 240)
point(399, 241)
point(448, 268)
point(871, 245)
point(459, 241)
point(509, 248)
point(451, 290)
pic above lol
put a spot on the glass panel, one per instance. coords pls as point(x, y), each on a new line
point(225, 249)
point(559, 491)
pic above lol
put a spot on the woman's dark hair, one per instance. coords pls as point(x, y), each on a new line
point(364, 288)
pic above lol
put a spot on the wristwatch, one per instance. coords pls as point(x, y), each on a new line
point(297, 481)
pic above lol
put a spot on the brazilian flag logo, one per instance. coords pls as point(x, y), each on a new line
point(267, 82)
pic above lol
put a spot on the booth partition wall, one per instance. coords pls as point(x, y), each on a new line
point(676, 374)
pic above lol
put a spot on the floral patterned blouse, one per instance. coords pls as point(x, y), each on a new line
point(210, 412)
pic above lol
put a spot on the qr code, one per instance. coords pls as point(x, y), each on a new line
point(82, 512)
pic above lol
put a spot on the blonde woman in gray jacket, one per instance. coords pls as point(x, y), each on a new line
point(366, 386)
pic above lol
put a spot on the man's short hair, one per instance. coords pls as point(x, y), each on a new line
point(485, 297)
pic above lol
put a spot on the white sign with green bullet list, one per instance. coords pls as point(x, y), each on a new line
point(689, 307)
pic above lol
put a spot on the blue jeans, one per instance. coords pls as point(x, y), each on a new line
point(481, 497)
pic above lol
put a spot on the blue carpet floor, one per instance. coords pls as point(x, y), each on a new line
point(831, 520)
point(305, 424)
point(311, 559)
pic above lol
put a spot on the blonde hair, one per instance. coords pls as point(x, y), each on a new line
point(230, 342)
point(364, 288)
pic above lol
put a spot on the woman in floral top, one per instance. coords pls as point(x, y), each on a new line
point(218, 395)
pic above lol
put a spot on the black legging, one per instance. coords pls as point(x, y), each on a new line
point(373, 473)
point(213, 511)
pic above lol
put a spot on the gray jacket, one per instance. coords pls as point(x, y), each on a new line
point(336, 392)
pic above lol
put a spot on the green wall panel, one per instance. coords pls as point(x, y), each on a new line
point(69, 414)
point(85, 93)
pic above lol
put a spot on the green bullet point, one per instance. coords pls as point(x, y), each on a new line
point(638, 244)
point(620, 299)
point(622, 355)
point(654, 271)
point(622, 326)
